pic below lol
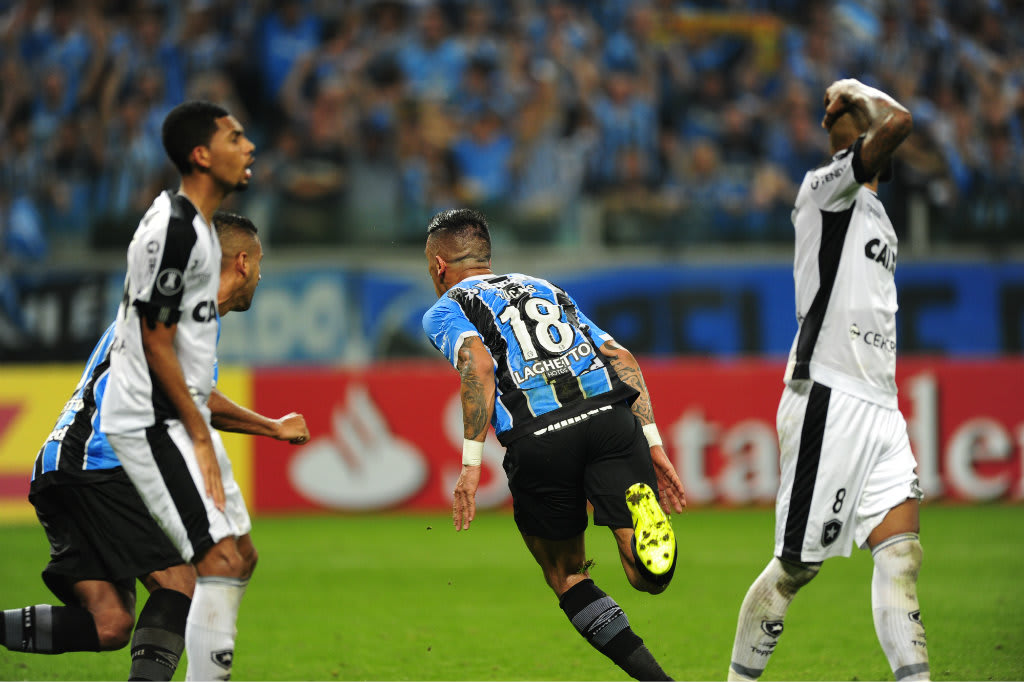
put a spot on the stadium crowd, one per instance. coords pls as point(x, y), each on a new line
point(665, 122)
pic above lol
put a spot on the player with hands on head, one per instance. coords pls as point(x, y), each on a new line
point(572, 410)
point(162, 365)
point(847, 470)
point(102, 537)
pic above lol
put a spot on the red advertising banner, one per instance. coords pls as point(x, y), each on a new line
point(390, 436)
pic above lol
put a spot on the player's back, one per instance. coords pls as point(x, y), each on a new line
point(76, 448)
point(547, 362)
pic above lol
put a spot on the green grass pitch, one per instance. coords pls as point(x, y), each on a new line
point(405, 597)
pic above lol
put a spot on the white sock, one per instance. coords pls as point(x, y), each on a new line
point(894, 604)
point(761, 616)
point(210, 629)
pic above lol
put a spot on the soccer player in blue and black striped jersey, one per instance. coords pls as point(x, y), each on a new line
point(102, 537)
point(573, 412)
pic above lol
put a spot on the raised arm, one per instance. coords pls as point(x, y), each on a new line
point(476, 371)
point(670, 488)
point(227, 415)
point(888, 122)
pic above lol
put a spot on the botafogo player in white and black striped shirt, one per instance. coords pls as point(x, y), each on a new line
point(847, 470)
point(102, 537)
point(155, 414)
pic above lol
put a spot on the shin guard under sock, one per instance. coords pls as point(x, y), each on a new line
point(211, 627)
point(604, 625)
point(894, 603)
point(159, 636)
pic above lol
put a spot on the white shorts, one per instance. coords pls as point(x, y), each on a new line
point(162, 465)
point(845, 463)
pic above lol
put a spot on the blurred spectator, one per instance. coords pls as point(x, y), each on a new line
point(478, 41)
point(559, 23)
point(551, 153)
point(385, 26)
point(793, 142)
point(483, 160)
point(426, 167)
point(625, 121)
point(311, 168)
point(700, 116)
point(812, 58)
point(379, 112)
point(144, 50)
point(54, 37)
point(71, 167)
point(135, 168)
point(714, 201)
point(478, 91)
point(432, 61)
point(205, 46)
point(373, 212)
point(287, 34)
point(22, 239)
point(996, 206)
point(338, 59)
point(770, 204)
point(21, 163)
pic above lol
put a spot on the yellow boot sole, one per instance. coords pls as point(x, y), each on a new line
point(655, 540)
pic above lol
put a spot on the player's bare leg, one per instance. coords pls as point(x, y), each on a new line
point(159, 637)
point(593, 613)
point(102, 621)
point(211, 629)
point(249, 555)
point(640, 581)
point(896, 550)
point(112, 609)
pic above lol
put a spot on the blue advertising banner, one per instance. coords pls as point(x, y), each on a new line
point(952, 309)
point(346, 316)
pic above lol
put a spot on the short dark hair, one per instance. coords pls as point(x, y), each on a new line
point(225, 220)
point(187, 126)
point(458, 220)
point(466, 226)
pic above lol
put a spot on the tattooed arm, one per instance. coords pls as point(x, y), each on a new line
point(476, 370)
point(670, 488)
point(888, 122)
point(625, 365)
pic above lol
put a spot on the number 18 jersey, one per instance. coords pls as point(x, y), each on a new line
point(547, 366)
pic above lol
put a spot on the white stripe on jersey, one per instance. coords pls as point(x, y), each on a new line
point(847, 336)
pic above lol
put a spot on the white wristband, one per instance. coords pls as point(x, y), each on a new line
point(472, 452)
point(652, 435)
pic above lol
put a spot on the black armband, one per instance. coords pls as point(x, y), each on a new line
point(153, 313)
point(859, 173)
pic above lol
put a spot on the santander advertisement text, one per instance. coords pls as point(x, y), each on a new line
point(389, 436)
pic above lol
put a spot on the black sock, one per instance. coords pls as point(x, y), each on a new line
point(45, 629)
point(602, 623)
point(664, 578)
point(159, 637)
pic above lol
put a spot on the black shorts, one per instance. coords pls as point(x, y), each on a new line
point(99, 531)
point(552, 476)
